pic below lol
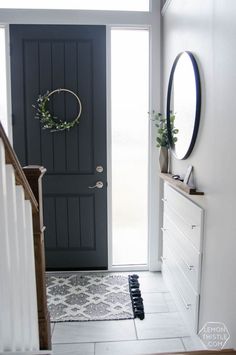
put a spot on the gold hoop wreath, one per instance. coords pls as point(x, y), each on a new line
point(51, 122)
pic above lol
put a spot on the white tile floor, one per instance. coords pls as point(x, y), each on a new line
point(162, 330)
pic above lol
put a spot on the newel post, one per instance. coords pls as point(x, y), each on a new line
point(34, 176)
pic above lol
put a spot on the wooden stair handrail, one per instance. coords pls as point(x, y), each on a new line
point(12, 159)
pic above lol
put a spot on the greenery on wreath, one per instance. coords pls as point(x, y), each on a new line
point(48, 121)
point(162, 131)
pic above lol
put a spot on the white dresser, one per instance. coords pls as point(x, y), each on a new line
point(182, 252)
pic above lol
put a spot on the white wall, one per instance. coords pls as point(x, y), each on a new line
point(208, 29)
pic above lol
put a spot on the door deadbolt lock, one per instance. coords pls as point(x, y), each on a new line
point(99, 169)
point(98, 185)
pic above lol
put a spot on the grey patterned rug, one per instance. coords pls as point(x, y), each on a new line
point(88, 297)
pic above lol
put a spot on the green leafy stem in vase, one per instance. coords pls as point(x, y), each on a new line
point(162, 131)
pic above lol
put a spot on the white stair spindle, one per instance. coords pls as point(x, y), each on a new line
point(32, 297)
point(15, 261)
point(5, 264)
point(21, 225)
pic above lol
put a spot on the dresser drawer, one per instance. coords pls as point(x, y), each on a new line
point(189, 313)
point(189, 259)
point(185, 207)
point(186, 298)
point(184, 214)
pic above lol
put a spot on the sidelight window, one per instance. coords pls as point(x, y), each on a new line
point(129, 126)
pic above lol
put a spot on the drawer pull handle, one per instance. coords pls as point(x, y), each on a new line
point(190, 267)
point(164, 199)
point(193, 226)
point(163, 258)
point(163, 229)
point(187, 305)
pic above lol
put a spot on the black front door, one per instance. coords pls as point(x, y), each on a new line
point(45, 58)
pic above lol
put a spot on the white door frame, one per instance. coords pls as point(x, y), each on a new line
point(150, 20)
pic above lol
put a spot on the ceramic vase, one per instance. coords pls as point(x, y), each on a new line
point(163, 159)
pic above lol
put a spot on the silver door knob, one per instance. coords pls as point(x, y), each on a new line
point(99, 169)
point(98, 185)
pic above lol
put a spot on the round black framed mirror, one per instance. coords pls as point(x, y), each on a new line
point(184, 103)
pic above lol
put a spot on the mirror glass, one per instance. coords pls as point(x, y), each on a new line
point(184, 102)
